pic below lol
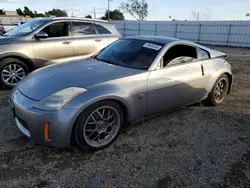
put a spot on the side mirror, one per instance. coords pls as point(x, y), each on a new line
point(41, 35)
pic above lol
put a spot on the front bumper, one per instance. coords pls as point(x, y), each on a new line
point(22, 128)
point(31, 121)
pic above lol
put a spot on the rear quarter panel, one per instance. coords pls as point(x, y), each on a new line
point(111, 38)
point(213, 68)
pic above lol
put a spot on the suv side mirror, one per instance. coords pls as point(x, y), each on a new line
point(41, 35)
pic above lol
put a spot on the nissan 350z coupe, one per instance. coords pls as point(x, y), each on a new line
point(89, 100)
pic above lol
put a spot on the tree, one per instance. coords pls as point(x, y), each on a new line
point(25, 12)
point(19, 12)
point(46, 14)
point(114, 15)
point(56, 12)
point(136, 8)
point(88, 16)
point(28, 12)
point(40, 15)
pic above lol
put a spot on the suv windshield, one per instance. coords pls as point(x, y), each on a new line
point(137, 54)
point(25, 28)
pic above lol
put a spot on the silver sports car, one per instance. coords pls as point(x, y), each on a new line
point(89, 100)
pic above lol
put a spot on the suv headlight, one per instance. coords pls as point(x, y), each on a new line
point(59, 99)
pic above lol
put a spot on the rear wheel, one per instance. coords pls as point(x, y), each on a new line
point(219, 91)
point(99, 125)
point(12, 70)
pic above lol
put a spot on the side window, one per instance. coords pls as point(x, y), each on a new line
point(82, 28)
point(101, 30)
point(179, 54)
point(181, 60)
point(160, 64)
point(202, 54)
point(59, 29)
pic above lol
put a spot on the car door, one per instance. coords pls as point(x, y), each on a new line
point(86, 41)
point(107, 36)
point(206, 66)
point(175, 85)
point(57, 47)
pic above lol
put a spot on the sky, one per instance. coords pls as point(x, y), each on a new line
point(158, 9)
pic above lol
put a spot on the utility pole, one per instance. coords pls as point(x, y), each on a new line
point(94, 13)
point(198, 15)
point(72, 13)
point(108, 10)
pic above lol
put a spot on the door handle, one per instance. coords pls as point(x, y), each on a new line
point(66, 42)
point(202, 70)
point(98, 40)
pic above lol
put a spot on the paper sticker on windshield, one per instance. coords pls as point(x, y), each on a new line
point(152, 46)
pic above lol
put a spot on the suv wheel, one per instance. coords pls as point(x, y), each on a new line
point(12, 70)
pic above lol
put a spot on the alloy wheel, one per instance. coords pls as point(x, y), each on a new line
point(101, 126)
point(12, 74)
point(220, 90)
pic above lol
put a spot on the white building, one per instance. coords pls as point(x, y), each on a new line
point(10, 13)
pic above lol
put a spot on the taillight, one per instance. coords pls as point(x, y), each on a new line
point(120, 37)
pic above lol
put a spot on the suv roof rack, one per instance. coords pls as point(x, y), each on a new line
point(76, 18)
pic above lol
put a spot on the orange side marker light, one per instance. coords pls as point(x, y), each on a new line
point(46, 131)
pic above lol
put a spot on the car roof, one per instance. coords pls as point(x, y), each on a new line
point(73, 18)
point(157, 39)
point(79, 19)
point(168, 40)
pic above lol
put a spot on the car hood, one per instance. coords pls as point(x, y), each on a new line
point(81, 73)
point(8, 40)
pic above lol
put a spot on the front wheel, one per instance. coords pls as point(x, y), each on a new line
point(219, 91)
point(99, 125)
point(12, 71)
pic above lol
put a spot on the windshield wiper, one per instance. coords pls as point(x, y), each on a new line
point(110, 62)
point(104, 60)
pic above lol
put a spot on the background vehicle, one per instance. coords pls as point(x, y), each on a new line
point(40, 42)
point(130, 79)
point(2, 30)
point(22, 22)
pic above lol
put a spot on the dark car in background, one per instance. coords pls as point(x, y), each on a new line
point(45, 41)
point(2, 30)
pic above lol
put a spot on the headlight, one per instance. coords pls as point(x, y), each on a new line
point(59, 99)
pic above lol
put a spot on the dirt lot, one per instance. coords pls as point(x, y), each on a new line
point(193, 147)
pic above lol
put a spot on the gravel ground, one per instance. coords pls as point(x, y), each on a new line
point(193, 147)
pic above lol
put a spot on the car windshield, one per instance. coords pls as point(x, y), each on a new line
point(137, 54)
point(25, 28)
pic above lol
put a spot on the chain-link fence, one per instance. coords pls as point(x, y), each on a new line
point(228, 33)
point(12, 20)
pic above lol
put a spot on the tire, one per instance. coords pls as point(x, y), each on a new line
point(91, 140)
point(12, 66)
point(212, 100)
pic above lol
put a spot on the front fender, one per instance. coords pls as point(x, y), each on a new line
point(100, 93)
point(131, 91)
